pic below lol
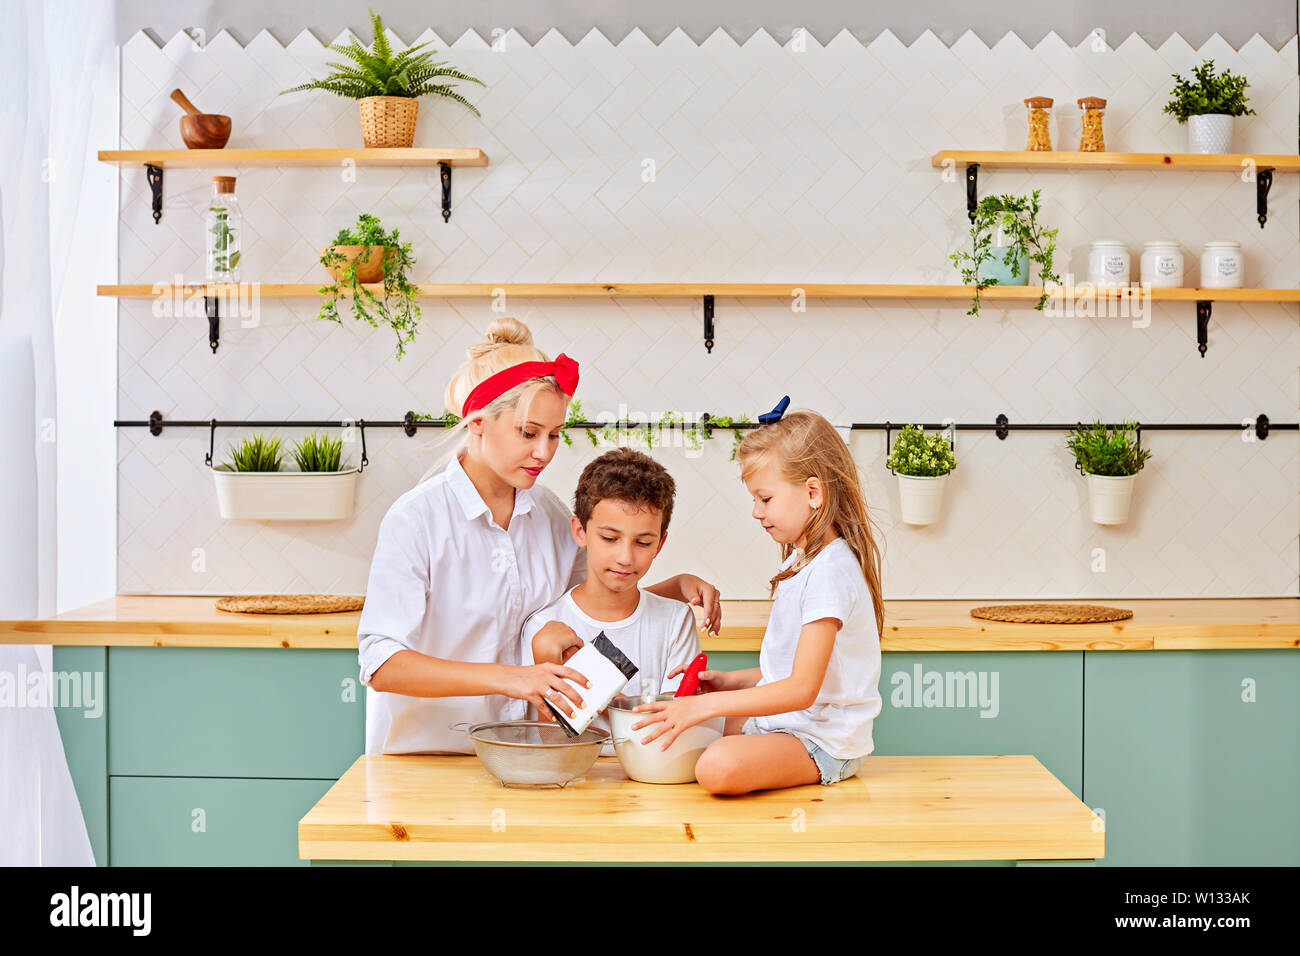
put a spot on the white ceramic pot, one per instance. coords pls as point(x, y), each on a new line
point(285, 495)
point(1162, 264)
point(1109, 263)
point(1209, 133)
point(1109, 497)
point(921, 498)
point(646, 762)
point(1222, 266)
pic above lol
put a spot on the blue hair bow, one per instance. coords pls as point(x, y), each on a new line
point(775, 414)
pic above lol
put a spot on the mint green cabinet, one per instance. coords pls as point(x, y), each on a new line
point(234, 712)
point(1194, 756)
point(85, 741)
point(208, 821)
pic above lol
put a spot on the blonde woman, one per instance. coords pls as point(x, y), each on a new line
point(466, 555)
point(811, 701)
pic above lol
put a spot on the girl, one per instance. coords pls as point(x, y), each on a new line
point(813, 697)
point(466, 555)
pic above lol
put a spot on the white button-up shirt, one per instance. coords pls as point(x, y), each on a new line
point(446, 580)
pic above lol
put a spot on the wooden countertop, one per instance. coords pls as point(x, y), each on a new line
point(897, 808)
point(910, 625)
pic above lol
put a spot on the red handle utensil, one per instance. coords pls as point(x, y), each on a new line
point(691, 679)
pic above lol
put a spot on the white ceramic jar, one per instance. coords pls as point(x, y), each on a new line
point(1109, 263)
point(1221, 265)
point(1162, 264)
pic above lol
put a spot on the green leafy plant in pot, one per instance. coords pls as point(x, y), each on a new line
point(1110, 459)
point(1005, 237)
point(922, 461)
point(366, 255)
point(252, 484)
point(387, 84)
point(1207, 104)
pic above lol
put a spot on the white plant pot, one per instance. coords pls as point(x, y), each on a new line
point(921, 498)
point(1209, 133)
point(285, 495)
point(1109, 497)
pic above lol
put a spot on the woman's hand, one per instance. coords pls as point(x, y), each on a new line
point(673, 716)
point(699, 592)
point(555, 642)
point(542, 682)
point(710, 681)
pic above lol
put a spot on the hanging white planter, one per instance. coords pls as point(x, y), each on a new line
point(1109, 497)
point(285, 495)
point(1209, 133)
point(921, 498)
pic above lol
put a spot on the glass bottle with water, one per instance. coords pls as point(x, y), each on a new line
point(223, 225)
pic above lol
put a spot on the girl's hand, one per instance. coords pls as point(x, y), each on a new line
point(672, 716)
point(699, 592)
point(710, 681)
point(542, 682)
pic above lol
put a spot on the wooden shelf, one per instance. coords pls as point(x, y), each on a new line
point(178, 158)
point(697, 290)
point(1054, 159)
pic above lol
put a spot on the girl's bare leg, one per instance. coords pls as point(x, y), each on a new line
point(736, 764)
point(734, 725)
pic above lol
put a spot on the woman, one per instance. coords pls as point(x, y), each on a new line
point(465, 556)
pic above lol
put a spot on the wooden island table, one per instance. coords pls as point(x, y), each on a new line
point(899, 808)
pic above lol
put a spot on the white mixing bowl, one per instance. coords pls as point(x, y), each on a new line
point(646, 762)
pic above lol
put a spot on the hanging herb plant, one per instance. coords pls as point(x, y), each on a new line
point(727, 421)
point(365, 254)
point(1016, 218)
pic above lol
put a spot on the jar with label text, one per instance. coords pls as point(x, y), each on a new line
point(1109, 263)
point(1162, 264)
point(1221, 265)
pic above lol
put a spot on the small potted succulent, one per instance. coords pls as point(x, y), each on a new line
point(922, 462)
point(367, 254)
point(1110, 459)
point(387, 85)
point(1207, 105)
point(253, 485)
point(1005, 237)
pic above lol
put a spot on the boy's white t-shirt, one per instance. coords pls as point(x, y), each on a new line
point(831, 585)
point(657, 637)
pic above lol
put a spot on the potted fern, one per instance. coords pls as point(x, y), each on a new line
point(252, 483)
point(922, 463)
point(367, 254)
point(1207, 104)
point(1005, 237)
point(387, 85)
point(1110, 458)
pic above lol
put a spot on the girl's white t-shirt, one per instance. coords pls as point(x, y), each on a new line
point(448, 581)
point(831, 585)
point(657, 637)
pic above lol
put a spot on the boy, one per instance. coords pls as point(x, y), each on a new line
point(621, 510)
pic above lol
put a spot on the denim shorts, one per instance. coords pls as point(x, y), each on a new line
point(832, 769)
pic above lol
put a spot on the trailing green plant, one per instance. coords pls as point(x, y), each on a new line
point(257, 452)
point(1100, 450)
point(573, 418)
point(727, 421)
point(397, 308)
point(1208, 92)
point(1017, 217)
point(317, 452)
point(377, 71)
point(921, 454)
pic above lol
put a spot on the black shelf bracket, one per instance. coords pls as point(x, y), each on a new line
point(155, 423)
point(1263, 182)
point(212, 308)
point(444, 170)
point(212, 437)
point(708, 323)
point(408, 425)
point(1202, 325)
point(972, 189)
point(364, 460)
point(1002, 431)
point(155, 177)
point(1261, 427)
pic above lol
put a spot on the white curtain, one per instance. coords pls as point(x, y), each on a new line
point(60, 75)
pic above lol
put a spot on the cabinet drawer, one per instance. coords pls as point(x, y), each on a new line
point(187, 821)
point(233, 712)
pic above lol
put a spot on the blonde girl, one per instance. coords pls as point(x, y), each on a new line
point(804, 715)
point(466, 555)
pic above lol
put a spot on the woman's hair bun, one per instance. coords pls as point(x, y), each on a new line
point(502, 331)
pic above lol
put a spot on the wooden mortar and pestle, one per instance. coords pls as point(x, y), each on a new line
point(201, 130)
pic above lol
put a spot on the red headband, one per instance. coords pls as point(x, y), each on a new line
point(493, 387)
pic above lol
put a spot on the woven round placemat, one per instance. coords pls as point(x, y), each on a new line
point(1051, 613)
point(290, 603)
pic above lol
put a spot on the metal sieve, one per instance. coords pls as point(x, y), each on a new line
point(534, 753)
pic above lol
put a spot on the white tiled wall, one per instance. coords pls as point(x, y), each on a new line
point(772, 164)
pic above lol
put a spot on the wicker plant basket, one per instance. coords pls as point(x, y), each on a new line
point(369, 260)
point(388, 121)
